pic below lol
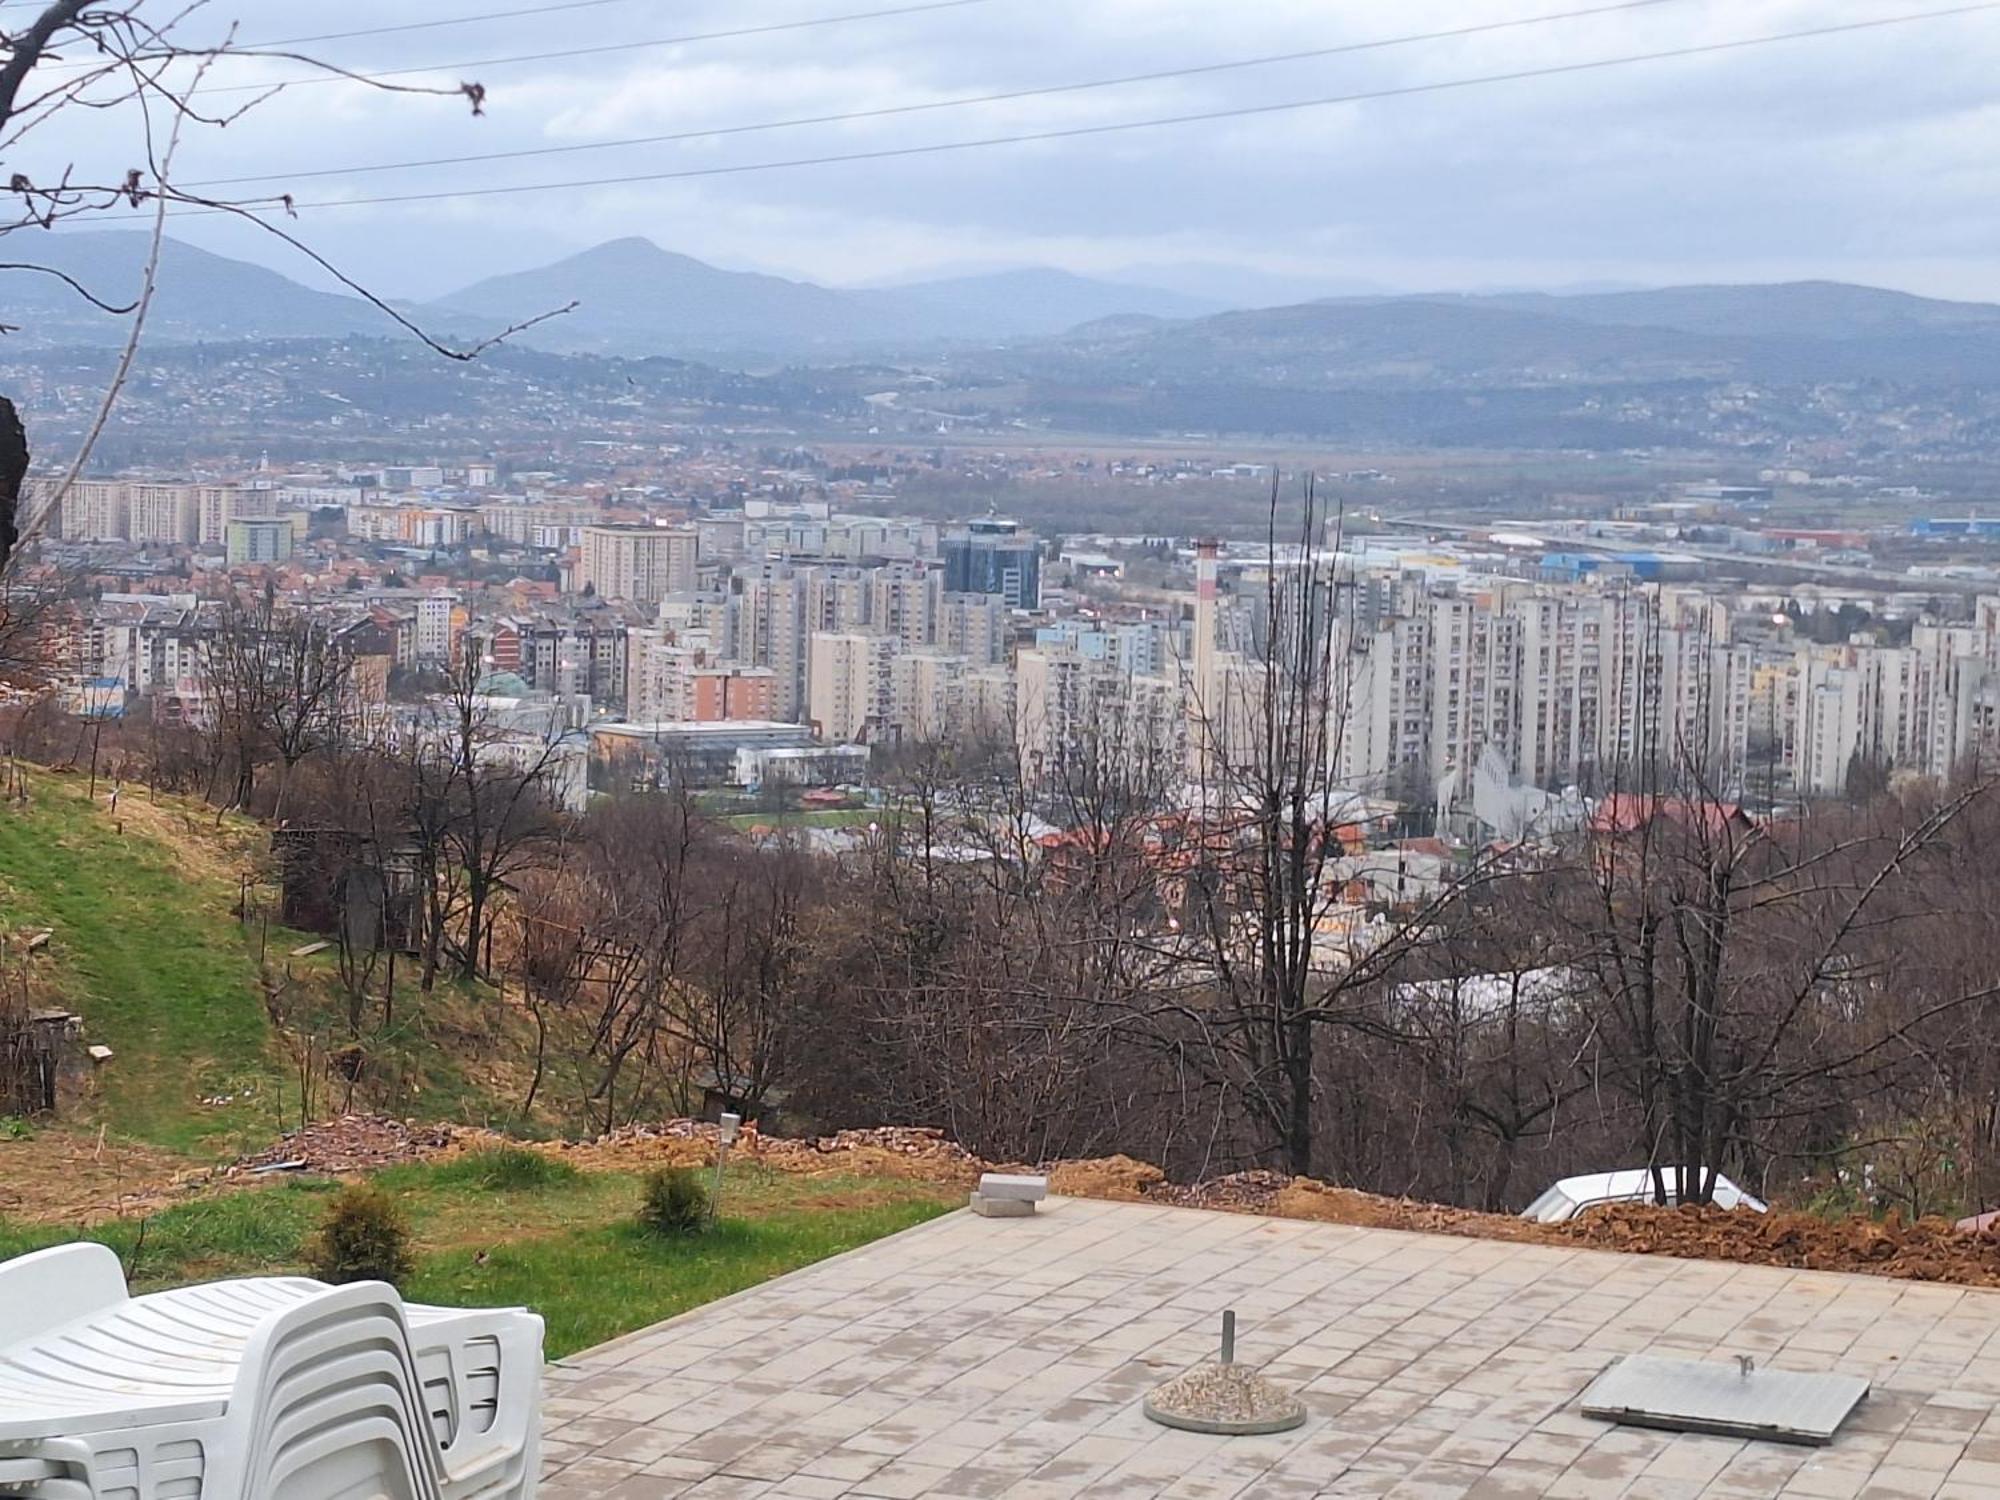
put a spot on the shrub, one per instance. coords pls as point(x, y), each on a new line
point(676, 1203)
point(506, 1169)
point(361, 1238)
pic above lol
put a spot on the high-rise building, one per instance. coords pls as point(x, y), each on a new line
point(1069, 707)
point(850, 685)
point(771, 630)
point(251, 540)
point(440, 618)
point(640, 563)
point(216, 505)
point(96, 510)
point(903, 601)
point(676, 677)
point(163, 514)
point(973, 626)
point(995, 556)
point(927, 696)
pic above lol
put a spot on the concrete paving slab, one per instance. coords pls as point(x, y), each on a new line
point(973, 1360)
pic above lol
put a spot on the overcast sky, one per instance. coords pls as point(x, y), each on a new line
point(1866, 157)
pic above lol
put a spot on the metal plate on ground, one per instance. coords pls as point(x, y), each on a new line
point(1681, 1395)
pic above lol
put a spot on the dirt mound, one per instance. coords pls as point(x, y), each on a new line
point(1928, 1250)
point(1306, 1198)
point(350, 1143)
point(1303, 1198)
point(889, 1151)
point(896, 1150)
point(1239, 1192)
point(1116, 1177)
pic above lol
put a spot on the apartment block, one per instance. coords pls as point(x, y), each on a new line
point(642, 564)
point(96, 510)
point(851, 686)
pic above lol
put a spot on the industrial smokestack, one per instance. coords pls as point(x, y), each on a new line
point(1204, 708)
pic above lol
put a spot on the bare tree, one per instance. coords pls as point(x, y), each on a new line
point(278, 684)
point(758, 976)
point(606, 932)
point(503, 811)
point(1280, 954)
point(1748, 981)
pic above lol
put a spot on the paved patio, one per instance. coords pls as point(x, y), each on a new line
point(977, 1359)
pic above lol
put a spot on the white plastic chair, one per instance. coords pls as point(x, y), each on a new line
point(270, 1388)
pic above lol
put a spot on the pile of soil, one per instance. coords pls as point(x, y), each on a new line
point(1928, 1250)
point(1283, 1197)
point(888, 1151)
point(1119, 1178)
point(349, 1143)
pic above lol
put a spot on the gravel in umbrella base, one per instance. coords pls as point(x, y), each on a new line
point(1229, 1400)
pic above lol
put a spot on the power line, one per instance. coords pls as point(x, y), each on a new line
point(342, 36)
point(600, 49)
point(491, 15)
point(960, 102)
point(1072, 132)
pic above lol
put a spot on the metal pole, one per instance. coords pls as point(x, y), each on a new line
point(1229, 1338)
point(724, 1137)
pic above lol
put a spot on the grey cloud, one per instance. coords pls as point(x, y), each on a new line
point(1861, 155)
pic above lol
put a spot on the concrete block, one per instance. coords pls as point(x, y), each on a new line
point(1001, 1208)
point(1015, 1189)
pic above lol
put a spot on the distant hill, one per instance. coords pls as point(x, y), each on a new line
point(1036, 301)
point(637, 299)
point(1794, 333)
point(1788, 310)
point(1374, 343)
point(1585, 369)
point(202, 297)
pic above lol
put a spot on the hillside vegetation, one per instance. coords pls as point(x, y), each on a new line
point(146, 949)
point(147, 946)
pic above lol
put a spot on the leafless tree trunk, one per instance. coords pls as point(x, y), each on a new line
point(1282, 954)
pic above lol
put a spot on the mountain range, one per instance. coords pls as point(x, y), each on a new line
point(631, 296)
point(1067, 341)
point(202, 297)
point(1793, 333)
point(635, 298)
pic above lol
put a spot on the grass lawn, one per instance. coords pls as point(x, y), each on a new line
point(567, 1245)
point(147, 952)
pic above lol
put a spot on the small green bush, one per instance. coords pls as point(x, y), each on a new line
point(506, 1169)
point(675, 1204)
point(362, 1238)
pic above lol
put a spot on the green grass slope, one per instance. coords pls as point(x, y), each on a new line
point(146, 950)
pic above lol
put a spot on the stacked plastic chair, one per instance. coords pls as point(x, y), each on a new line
point(270, 1388)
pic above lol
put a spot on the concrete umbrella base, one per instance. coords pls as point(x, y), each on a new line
point(1228, 1400)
